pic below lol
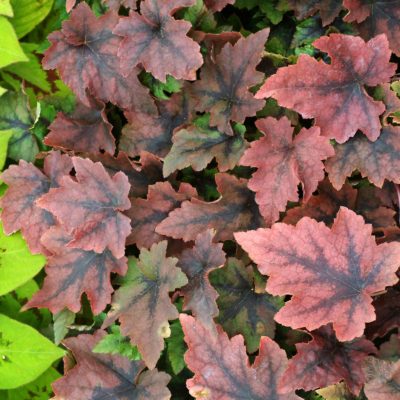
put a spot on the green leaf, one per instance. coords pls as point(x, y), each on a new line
point(28, 14)
point(10, 50)
point(176, 348)
point(62, 320)
point(2, 91)
point(15, 115)
point(4, 138)
point(17, 264)
point(159, 89)
point(5, 8)
point(24, 353)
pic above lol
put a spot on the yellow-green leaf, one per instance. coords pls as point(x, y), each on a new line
point(10, 49)
point(4, 138)
point(5, 8)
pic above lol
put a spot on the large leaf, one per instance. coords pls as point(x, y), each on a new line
point(158, 41)
point(330, 273)
point(10, 49)
point(283, 163)
point(235, 210)
point(90, 207)
point(334, 93)
point(72, 272)
point(26, 354)
point(142, 303)
point(222, 369)
point(102, 376)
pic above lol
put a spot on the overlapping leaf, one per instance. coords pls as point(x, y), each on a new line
point(222, 369)
point(217, 5)
point(89, 207)
point(101, 376)
point(283, 163)
point(344, 265)
point(328, 9)
point(334, 93)
point(142, 303)
point(235, 210)
point(158, 41)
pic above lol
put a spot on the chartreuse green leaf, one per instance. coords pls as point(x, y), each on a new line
point(10, 50)
point(2, 91)
point(5, 8)
point(24, 353)
point(28, 14)
point(17, 264)
point(4, 138)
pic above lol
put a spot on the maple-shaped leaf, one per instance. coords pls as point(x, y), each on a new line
point(222, 369)
point(152, 131)
point(343, 265)
point(334, 93)
point(223, 88)
point(146, 214)
point(328, 9)
point(89, 207)
point(158, 41)
point(244, 306)
point(103, 376)
point(86, 130)
point(374, 17)
point(142, 303)
point(383, 379)
point(197, 145)
point(197, 263)
point(234, 211)
point(85, 53)
point(26, 184)
point(377, 160)
point(283, 163)
point(71, 272)
point(217, 5)
point(325, 361)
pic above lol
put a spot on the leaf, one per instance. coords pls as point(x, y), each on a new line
point(325, 361)
point(98, 376)
point(10, 49)
point(73, 271)
point(390, 350)
point(146, 214)
point(152, 131)
point(176, 348)
point(217, 5)
point(197, 263)
point(17, 264)
point(383, 379)
point(375, 17)
point(223, 88)
point(343, 265)
point(25, 353)
point(87, 46)
point(28, 14)
point(334, 93)
point(377, 160)
point(244, 307)
point(90, 207)
point(283, 163)
point(198, 144)
point(26, 184)
point(158, 41)
point(5, 136)
point(86, 130)
point(5, 8)
point(142, 303)
point(62, 320)
point(328, 9)
point(336, 392)
point(222, 369)
point(235, 210)
point(16, 116)
point(116, 4)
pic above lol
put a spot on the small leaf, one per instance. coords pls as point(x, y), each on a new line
point(176, 348)
point(5, 136)
point(5, 8)
point(61, 321)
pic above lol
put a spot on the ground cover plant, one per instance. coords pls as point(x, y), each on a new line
point(200, 199)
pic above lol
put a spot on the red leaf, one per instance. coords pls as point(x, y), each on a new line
point(235, 210)
point(116, 4)
point(142, 303)
point(158, 41)
point(101, 376)
point(328, 9)
point(330, 273)
point(377, 160)
point(217, 5)
point(71, 272)
point(26, 184)
point(146, 214)
point(283, 163)
point(89, 207)
point(334, 93)
point(325, 361)
point(222, 369)
point(86, 130)
point(197, 263)
point(223, 89)
point(85, 52)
